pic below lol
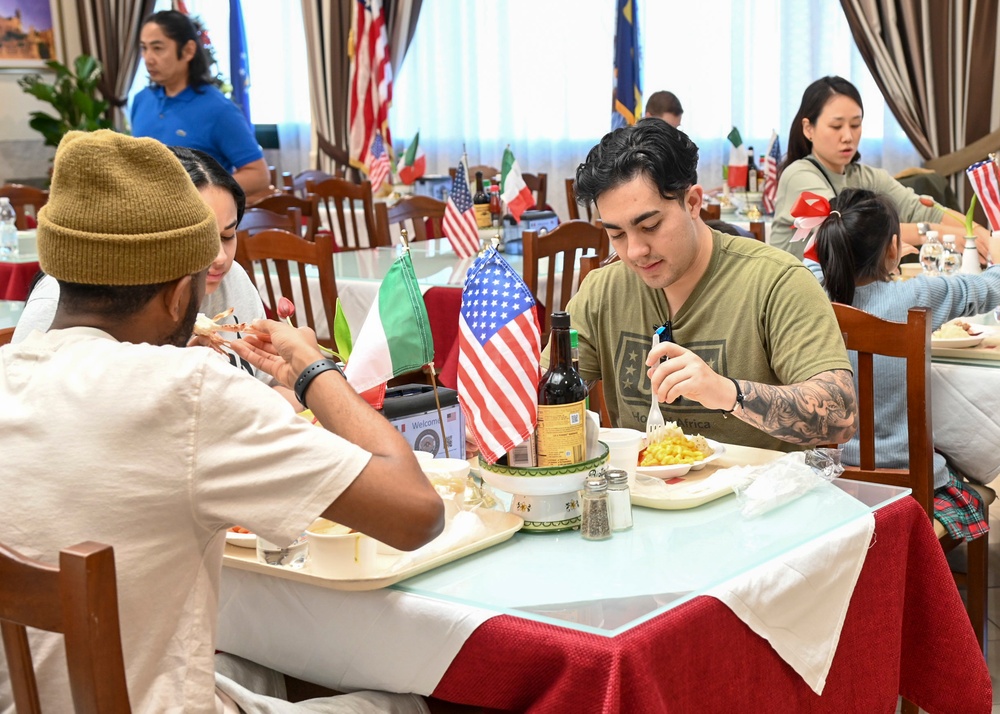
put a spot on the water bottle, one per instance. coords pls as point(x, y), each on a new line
point(931, 253)
point(951, 258)
point(8, 231)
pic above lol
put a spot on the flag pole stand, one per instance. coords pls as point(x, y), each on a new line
point(437, 403)
point(404, 238)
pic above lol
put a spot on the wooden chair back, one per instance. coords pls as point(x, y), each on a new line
point(411, 213)
point(870, 336)
point(275, 251)
point(6, 335)
point(711, 212)
point(340, 203)
point(489, 172)
point(574, 207)
point(78, 599)
point(757, 230)
point(26, 200)
point(256, 220)
point(298, 184)
point(308, 211)
point(561, 246)
point(538, 184)
point(330, 157)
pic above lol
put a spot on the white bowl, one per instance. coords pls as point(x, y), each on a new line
point(339, 555)
point(544, 480)
point(672, 470)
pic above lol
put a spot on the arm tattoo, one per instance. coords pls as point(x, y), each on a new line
point(821, 410)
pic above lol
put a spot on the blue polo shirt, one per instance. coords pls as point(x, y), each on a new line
point(203, 120)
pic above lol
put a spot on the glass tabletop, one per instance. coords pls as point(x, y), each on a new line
point(667, 558)
point(10, 311)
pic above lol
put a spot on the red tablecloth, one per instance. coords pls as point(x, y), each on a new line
point(15, 279)
point(906, 631)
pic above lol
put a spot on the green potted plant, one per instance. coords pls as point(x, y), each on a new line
point(75, 96)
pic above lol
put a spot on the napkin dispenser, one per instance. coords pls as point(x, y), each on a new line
point(412, 410)
point(539, 221)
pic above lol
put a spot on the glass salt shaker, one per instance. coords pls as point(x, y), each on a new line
point(619, 500)
point(595, 523)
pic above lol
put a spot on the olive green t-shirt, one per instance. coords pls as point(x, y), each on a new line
point(757, 314)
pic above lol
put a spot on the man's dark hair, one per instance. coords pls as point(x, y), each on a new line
point(650, 147)
point(663, 102)
point(814, 99)
point(179, 28)
point(117, 301)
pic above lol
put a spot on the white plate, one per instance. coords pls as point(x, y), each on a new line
point(241, 540)
point(681, 469)
point(958, 342)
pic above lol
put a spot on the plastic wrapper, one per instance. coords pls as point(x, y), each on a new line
point(760, 489)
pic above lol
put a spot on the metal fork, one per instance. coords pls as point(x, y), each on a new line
point(655, 418)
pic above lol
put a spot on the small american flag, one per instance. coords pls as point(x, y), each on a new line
point(770, 167)
point(499, 346)
point(459, 223)
point(983, 177)
point(378, 167)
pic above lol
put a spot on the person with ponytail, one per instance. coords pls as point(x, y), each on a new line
point(858, 248)
point(823, 158)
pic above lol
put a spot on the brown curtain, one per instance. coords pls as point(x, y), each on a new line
point(328, 28)
point(937, 65)
point(109, 31)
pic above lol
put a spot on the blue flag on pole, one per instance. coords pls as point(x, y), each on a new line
point(239, 66)
point(626, 100)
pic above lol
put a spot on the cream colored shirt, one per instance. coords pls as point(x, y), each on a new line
point(155, 451)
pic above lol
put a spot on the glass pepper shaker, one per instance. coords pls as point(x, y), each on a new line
point(619, 500)
point(595, 523)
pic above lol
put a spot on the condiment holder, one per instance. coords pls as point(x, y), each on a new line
point(547, 498)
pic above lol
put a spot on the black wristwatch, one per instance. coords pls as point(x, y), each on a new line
point(310, 373)
point(739, 398)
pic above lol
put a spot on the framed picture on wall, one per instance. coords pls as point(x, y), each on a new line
point(29, 33)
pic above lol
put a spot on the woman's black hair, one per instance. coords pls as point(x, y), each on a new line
point(179, 28)
point(206, 171)
point(852, 246)
point(814, 99)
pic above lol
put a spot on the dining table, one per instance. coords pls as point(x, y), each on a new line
point(10, 312)
point(704, 609)
point(17, 272)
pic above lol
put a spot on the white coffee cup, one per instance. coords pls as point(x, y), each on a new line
point(623, 446)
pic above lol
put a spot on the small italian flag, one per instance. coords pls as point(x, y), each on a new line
point(736, 177)
point(513, 190)
point(396, 336)
point(413, 163)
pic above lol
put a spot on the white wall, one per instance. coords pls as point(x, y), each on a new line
point(22, 151)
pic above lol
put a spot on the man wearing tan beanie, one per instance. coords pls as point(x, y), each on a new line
point(116, 433)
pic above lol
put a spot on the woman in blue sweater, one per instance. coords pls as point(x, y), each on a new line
point(859, 249)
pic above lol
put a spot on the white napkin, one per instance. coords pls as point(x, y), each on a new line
point(465, 528)
point(965, 406)
point(798, 602)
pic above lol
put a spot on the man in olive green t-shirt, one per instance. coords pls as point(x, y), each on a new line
point(755, 337)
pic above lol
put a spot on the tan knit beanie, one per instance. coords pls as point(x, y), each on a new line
point(122, 211)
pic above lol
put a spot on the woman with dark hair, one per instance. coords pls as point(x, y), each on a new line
point(823, 158)
point(858, 247)
point(227, 284)
point(182, 106)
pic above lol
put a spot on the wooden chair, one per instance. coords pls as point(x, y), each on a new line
point(412, 213)
point(757, 229)
point(256, 220)
point(336, 158)
point(283, 203)
point(79, 599)
point(560, 246)
point(297, 185)
point(26, 200)
point(868, 336)
point(275, 250)
point(711, 212)
point(489, 172)
point(338, 199)
point(6, 335)
point(538, 184)
point(574, 207)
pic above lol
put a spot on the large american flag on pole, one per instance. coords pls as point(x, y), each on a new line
point(459, 222)
point(983, 177)
point(378, 167)
point(371, 81)
point(770, 168)
point(499, 346)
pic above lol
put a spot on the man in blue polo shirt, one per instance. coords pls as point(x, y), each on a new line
point(183, 107)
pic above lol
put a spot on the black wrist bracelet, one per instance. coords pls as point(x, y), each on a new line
point(739, 398)
point(310, 373)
